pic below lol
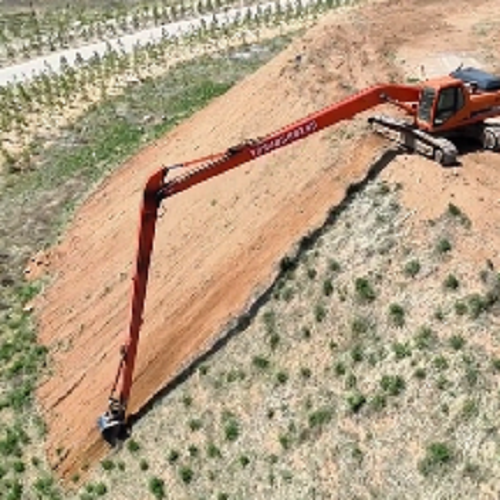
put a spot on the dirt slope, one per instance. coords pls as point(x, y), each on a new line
point(219, 243)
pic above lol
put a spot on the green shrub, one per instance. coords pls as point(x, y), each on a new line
point(457, 213)
point(285, 441)
point(133, 446)
point(282, 378)
point(18, 467)
point(232, 429)
point(143, 464)
point(100, 489)
point(305, 372)
point(107, 465)
point(244, 460)
point(195, 424)
point(320, 417)
point(351, 381)
point(420, 373)
point(457, 342)
point(451, 282)
point(460, 308)
point(454, 211)
point(442, 383)
point(287, 294)
point(437, 455)
point(157, 487)
point(397, 315)
point(213, 451)
point(392, 384)
point(412, 268)
point(378, 402)
point(425, 338)
point(339, 369)
point(319, 313)
point(269, 318)
point(193, 450)
point(333, 266)
point(360, 325)
point(312, 273)
point(364, 290)
point(357, 353)
point(186, 474)
point(260, 362)
point(274, 340)
point(356, 401)
point(469, 409)
point(440, 363)
point(401, 350)
point(173, 456)
point(476, 305)
point(327, 287)
point(443, 246)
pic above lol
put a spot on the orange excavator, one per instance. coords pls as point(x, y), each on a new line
point(442, 109)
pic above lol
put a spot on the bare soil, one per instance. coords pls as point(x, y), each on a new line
point(219, 244)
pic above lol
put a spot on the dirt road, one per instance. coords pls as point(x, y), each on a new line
point(219, 244)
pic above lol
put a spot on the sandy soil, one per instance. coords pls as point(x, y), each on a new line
point(219, 244)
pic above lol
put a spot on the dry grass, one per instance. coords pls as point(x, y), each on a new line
point(330, 394)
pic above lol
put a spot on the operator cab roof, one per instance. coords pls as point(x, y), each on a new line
point(484, 81)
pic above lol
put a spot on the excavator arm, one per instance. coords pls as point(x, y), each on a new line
point(158, 187)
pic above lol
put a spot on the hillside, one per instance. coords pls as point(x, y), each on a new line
point(219, 245)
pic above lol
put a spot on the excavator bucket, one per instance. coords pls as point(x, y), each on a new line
point(112, 424)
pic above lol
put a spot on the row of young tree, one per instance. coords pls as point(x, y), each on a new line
point(51, 93)
point(37, 33)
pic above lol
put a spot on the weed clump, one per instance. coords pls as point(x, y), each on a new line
point(186, 474)
point(320, 417)
point(327, 287)
point(260, 362)
point(437, 455)
point(393, 384)
point(425, 338)
point(457, 342)
point(133, 446)
point(443, 246)
point(412, 268)
point(451, 282)
point(364, 290)
point(232, 429)
point(157, 487)
point(356, 401)
point(401, 350)
point(319, 313)
point(397, 315)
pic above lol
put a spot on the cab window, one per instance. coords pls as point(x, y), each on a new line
point(449, 102)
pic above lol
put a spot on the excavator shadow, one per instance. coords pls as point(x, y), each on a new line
point(467, 146)
point(287, 264)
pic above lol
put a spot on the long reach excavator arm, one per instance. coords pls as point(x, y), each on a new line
point(113, 423)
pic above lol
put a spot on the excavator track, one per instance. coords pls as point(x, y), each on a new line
point(439, 149)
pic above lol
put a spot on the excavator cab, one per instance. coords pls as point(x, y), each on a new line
point(439, 103)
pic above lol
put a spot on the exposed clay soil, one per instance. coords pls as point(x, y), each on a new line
point(219, 244)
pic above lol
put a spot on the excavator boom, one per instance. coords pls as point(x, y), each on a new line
point(158, 187)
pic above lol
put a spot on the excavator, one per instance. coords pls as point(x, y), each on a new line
point(441, 109)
